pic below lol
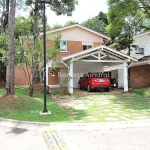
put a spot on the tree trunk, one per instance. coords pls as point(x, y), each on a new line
point(36, 78)
point(10, 72)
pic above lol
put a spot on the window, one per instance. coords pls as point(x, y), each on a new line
point(139, 50)
point(63, 46)
point(85, 47)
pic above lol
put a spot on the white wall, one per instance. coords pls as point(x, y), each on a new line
point(114, 74)
point(78, 34)
point(120, 78)
point(80, 68)
point(143, 42)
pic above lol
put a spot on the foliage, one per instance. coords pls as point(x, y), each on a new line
point(57, 26)
point(126, 21)
point(145, 92)
point(24, 51)
point(97, 23)
point(70, 23)
point(64, 83)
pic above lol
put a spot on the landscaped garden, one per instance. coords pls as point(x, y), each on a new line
point(91, 107)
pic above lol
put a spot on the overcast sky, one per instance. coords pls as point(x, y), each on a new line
point(84, 10)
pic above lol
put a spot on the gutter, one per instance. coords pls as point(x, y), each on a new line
point(140, 63)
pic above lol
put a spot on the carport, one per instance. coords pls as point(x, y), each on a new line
point(100, 56)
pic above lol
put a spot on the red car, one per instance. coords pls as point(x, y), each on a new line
point(93, 80)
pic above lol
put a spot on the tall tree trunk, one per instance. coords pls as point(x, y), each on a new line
point(10, 74)
point(4, 16)
point(36, 78)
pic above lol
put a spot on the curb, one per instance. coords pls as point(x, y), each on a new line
point(72, 126)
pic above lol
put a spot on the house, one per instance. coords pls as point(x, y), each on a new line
point(139, 71)
point(82, 50)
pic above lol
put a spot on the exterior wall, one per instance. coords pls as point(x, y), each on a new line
point(53, 80)
point(20, 79)
point(78, 34)
point(72, 47)
point(120, 78)
point(140, 76)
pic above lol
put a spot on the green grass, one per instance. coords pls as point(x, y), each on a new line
point(126, 106)
point(142, 92)
point(25, 104)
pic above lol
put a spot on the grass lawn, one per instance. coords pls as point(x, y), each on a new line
point(83, 107)
point(142, 92)
point(23, 105)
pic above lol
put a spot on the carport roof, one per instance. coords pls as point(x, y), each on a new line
point(100, 54)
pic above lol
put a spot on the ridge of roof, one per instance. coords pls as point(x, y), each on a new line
point(145, 58)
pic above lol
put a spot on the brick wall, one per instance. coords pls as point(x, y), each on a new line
point(140, 76)
point(72, 47)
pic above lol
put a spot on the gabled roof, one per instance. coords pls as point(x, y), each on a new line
point(145, 58)
point(82, 27)
point(95, 53)
point(141, 34)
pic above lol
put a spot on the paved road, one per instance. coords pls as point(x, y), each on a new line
point(117, 139)
point(21, 139)
point(102, 139)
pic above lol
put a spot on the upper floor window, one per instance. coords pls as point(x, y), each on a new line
point(85, 47)
point(63, 46)
point(139, 50)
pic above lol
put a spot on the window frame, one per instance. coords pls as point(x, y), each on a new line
point(138, 49)
point(61, 50)
point(87, 45)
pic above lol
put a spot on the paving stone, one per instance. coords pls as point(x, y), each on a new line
point(94, 119)
point(126, 115)
point(80, 107)
point(111, 119)
point(124, 118)
point(141, 117)
point(112, 114)
point(88, 117)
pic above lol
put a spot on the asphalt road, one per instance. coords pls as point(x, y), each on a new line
point(116, 139)
point(104, 139)
point(21, 139)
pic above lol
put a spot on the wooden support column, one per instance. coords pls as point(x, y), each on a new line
point(70, 73)
point(125, 70)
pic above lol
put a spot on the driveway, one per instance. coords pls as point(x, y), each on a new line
point(115, 105)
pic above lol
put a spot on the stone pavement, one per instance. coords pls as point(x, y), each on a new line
point(105, 107)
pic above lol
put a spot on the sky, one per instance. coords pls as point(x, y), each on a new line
point(84, 10)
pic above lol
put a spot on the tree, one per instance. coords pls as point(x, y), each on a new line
point(24, 57)
point(57, 26)
point(11, 48)
point(125, 22)
point(69, 23)
point(58, 6)
point(97, 23)
point(4, 9)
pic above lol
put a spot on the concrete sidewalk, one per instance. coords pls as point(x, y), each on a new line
point(72, 126)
